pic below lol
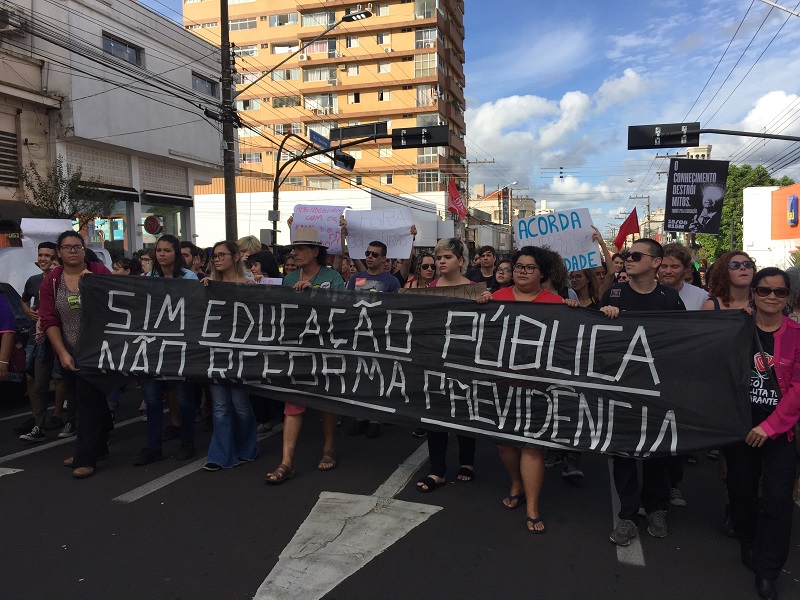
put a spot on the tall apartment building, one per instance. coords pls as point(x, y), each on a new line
point(404, 65)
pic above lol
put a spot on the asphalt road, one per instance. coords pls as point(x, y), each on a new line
point(171, 530)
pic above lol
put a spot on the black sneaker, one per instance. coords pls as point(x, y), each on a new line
point(147, 456)
point(68, 431)
point(185, 452)
point(419, 432)
point(54, 423)
point(35, 435)
point(26, 426)
point(210, 466)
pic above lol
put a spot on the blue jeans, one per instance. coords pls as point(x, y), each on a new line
point(234, 437)
point(154, 398)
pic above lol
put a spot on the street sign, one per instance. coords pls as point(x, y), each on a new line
point(358, 131)
point(669, 135)
point(421, 137)
point(319, 140)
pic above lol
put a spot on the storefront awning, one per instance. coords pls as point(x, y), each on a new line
point(118, 192)
point(171, 199)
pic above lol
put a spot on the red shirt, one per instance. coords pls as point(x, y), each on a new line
point(545, 296)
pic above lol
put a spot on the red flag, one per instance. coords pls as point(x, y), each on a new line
point(629, 226)
point(455, 204)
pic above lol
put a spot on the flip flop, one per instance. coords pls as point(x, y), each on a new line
point(533, 522)
point(282, 473)
point(431, 484)
point(519, 498)
point(466, 472)
point(329, 464)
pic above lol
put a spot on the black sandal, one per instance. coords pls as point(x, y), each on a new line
point(533, 522)
point(430, 483)
point(281, 473)
point(519, 499)
point(466, 472)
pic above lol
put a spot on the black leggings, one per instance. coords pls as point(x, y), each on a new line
point(94, 420)
point(437, 449)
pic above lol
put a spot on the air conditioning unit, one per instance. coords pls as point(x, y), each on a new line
point(337, 55)
point(430, 44)
point(11, 23)
point(333, 81)
point(323, 111)
point(388, 50)
point(302, 57)
point(343, 67)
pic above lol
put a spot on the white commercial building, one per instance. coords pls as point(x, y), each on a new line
point(768, 235)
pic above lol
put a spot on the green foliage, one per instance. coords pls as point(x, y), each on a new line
point(61, 193)
point(739, 177)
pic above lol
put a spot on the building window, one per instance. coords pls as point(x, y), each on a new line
point(210, 25)
point(293, 181)
point(240, 24)
point(264, 46)
point(352, 70)
point(429, 120)
point(204, 85)
point(385, 152)
point(287, 48)
point(384, 66)
point(427, 181)
point(425, 65)
point(249, 131)
point(351, 41)
point(286, 74)
point(9, 159)
point(326, 103)
point(323, 183)
point(250, 157)
point(382, 10)
point(384, 95)
point(387, 179)
point(245, 51)
point(191, 27)
point(355, 153)
point(250, 104)
point(284, 19)
point(427, 155)
point(426, 95)
point(245, 77)
point(425, 37)
point(355, 180)
point(122, 50)
point(285, 101)
point(384, 38)
point(322, 18)
point(319, 74)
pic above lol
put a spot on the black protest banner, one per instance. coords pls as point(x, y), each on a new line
point(470, 291)
point(518, 372)
point(695, 190)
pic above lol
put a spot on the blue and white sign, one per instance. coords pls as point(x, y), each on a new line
point(568, 232)
point(319, 140)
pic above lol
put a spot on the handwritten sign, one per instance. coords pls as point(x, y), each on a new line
point(568, 232)
point(467, 291)
point(325, 219)
point(392, 226)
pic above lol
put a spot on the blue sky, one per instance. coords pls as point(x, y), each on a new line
point(556, 84)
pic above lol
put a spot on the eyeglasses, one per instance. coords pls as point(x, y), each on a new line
point(427, 266)
point(373, 254)
point(220, 255)
point(529, 269)
point(635, 256)
point(71, 247)
point(505, 270)
point(747, 264)
point(763, 292)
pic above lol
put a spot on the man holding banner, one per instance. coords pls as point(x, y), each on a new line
point(641, 292)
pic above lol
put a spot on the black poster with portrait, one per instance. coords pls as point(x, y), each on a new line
point(695, 193)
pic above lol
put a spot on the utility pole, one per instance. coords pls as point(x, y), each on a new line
point(228, 142)
point(647, 220)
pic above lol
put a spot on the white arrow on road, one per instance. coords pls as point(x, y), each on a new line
point(343, 533)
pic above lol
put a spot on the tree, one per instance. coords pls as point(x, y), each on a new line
point(713, 246)
point(62, 193)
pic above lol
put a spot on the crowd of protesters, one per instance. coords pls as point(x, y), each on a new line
point(758, 474)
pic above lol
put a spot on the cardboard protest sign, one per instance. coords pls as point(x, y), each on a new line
point(467, 291)
point(325, 219)
point(392, 226)
point(569, 233)
point(695, 191)
point(516, 372)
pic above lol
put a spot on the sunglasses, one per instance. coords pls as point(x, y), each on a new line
point(369, 253)
point(747, 264)
point(428, 266)
point(763, 292)
point(635, 256)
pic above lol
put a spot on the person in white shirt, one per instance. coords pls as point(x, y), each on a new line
point(674, 266)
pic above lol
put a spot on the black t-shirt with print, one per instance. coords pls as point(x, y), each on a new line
point(624, 297)
point(763, 395)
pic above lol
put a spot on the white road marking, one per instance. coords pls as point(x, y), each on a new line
point(173, 476)
point(17, 416)
point(5, 471)
point(343, 533)
point(633, 554)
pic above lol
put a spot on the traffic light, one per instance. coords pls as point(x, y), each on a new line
point(343, 160)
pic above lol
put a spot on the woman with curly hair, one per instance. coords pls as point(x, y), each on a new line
point(424, 271)
point(729, 284)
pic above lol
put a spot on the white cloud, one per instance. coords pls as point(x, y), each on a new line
point(620, 90)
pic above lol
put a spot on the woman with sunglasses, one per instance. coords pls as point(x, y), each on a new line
point(60, 318)
point(234, 438)
point(730, 282)
point(525, 465)
point(503, 275)
point(761, 468)
point(169, 263)
point(424, 271)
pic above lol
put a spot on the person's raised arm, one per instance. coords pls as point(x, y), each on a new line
point(609, 279)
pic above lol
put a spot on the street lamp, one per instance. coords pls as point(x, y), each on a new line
point(228, 114)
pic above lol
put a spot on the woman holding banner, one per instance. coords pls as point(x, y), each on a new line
point(764, 463)
point(234, 438)
point(451, 256)
point(532, 267)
